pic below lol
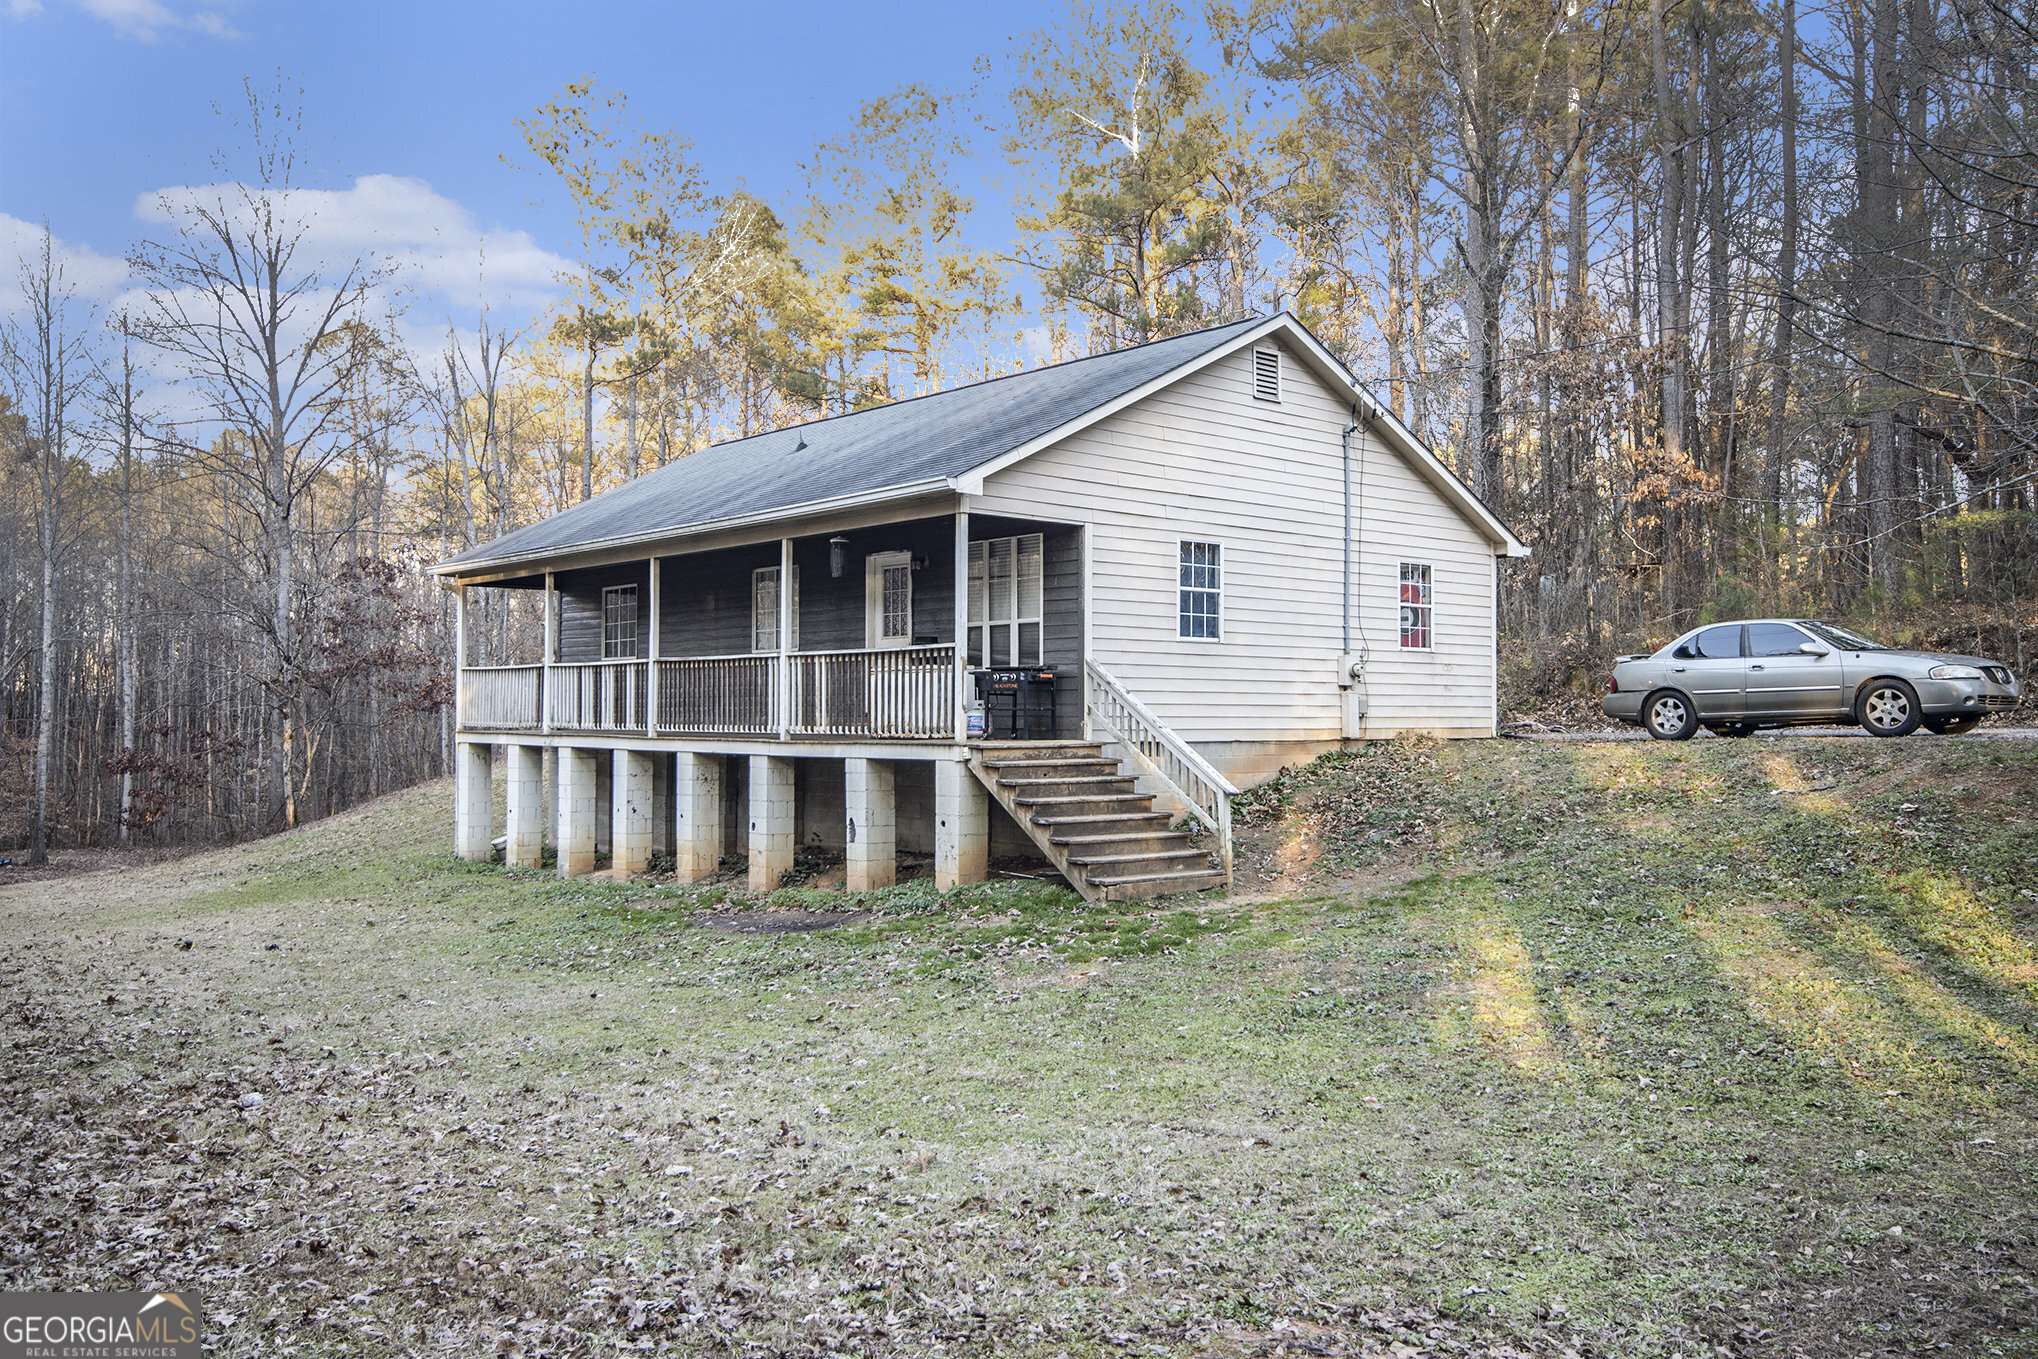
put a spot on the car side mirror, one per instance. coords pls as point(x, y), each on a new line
point(1814, 649)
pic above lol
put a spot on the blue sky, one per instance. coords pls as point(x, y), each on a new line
point(408, 108)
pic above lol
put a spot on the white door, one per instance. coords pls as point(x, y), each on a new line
point(888, 600)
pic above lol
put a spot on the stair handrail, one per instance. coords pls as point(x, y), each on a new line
point(1163, 754)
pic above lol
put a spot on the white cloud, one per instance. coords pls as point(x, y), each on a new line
point(433, 243)
point(93, 276)
point(143, 20)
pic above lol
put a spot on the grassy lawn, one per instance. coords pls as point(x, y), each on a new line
point(1721, 1048)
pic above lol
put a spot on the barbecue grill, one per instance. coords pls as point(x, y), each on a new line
point(1018, 704)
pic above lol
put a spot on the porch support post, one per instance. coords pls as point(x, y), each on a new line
point(632, 804)
point(871, 836)
point(576, 812)
point(771, 819)
point(459, 655)
point(471, 801)
point(651, 658)
point(525, 770)
point(697, 814)
point(551, 646)
point(783, 681)
point(962, 619)
point(962, 826)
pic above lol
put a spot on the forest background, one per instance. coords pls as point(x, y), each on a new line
point(1727, 307)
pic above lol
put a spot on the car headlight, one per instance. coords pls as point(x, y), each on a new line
point(1954, 672)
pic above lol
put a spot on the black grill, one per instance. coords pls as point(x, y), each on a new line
point(2000, 674)
point(1018, 704)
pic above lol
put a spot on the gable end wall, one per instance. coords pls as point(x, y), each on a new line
point(1202, 459)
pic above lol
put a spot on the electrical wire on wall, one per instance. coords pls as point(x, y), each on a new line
point(1354, 524)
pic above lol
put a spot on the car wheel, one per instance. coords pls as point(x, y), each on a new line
point(1669, 717)
point(1888, 707)
point(1951, 726)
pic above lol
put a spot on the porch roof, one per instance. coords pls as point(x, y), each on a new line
point(906, 448)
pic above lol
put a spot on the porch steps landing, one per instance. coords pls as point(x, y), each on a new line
point(1081, 810)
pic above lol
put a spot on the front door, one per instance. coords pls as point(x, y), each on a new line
point(1786, 681)
point(888, 600)
point(1709, 668)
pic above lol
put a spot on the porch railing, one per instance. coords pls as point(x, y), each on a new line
point(904, 694)
point(599, 696)
point(718, 696)
point(1156, 748)
point(908, 692)
point(500, 697)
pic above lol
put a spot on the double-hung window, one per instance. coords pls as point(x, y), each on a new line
point(764, 610)
point(1006, 576)
point(1416, 606)
point(1201, 611)
point(619, 623)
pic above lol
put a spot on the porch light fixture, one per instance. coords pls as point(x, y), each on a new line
point(919, 560)
point(838, 556)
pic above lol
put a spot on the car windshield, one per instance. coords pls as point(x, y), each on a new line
point(1844, 638)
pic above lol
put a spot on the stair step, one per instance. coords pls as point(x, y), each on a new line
point(1100, 819)
point(1071, 799)
point(1122, 837)
point(1135, 885)
point(1155, 856)
point(1049, 762)
point(1091, 783)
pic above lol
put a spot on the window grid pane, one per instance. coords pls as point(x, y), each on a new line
point(1416, 606)
point(1201, 583)
point(619, 623)
point(764, 609)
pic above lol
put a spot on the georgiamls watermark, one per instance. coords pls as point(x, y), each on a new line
point(100, 1325)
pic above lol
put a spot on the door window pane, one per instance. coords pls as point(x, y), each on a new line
point(1774, 639)
point(1718, 644)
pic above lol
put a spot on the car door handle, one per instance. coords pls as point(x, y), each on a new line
point(1678, 668)
point(1755, 667)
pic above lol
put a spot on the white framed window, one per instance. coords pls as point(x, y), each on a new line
point(887, 600)
point(764, 610)
point(1417, 607)
point(1202, 591)
point(619, 623)
point(1267, 375)
point(1006, 579)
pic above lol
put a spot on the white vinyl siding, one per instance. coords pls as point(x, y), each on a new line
point(764, 610)
point(1202, 460)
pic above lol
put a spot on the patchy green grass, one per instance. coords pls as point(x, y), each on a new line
point(1729, 1047)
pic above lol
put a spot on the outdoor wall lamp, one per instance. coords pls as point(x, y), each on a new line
point(838, 556)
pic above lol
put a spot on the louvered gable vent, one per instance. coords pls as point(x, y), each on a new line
point(1267, 374)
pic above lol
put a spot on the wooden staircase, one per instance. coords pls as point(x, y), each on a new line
point(1080, 809)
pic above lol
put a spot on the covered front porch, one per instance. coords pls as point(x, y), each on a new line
point(860, 643)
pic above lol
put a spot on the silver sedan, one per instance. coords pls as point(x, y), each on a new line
point(1777, 672)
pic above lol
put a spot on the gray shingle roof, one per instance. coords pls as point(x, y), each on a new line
point(906, 443)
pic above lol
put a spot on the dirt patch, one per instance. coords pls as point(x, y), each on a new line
point(71, 863)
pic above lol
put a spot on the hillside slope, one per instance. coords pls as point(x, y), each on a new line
point(1507, 1049)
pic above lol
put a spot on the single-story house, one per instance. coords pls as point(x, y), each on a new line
point(1047, 613)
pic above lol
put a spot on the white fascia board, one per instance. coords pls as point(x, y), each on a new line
point(806, 510)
